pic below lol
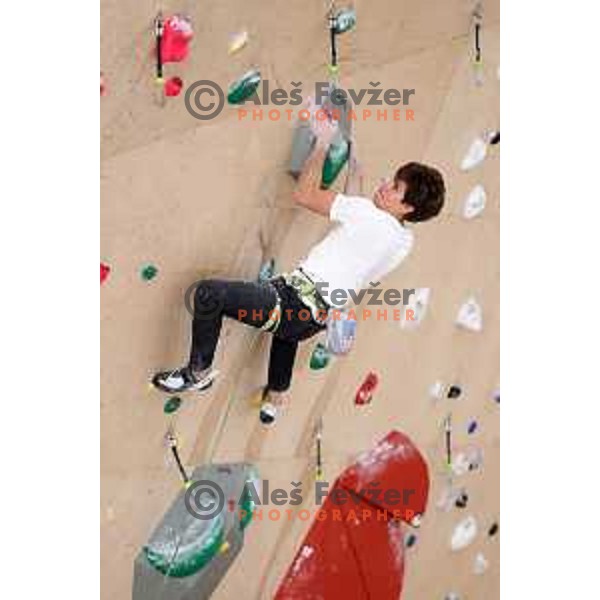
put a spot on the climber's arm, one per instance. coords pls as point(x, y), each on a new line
point(308, 191)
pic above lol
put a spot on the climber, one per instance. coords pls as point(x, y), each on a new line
point(369, 238)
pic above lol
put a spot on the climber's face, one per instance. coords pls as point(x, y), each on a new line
point(389, 196)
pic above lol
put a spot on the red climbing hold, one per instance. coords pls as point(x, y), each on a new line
point(173, 86)
point(176, 39)
point(354, 548)
point(104, 271)
point(365, 391)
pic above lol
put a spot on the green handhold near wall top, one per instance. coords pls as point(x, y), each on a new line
point(148, 272)
point(337, 157)
point(244, 87)
point(172, 404)
point(320, 357)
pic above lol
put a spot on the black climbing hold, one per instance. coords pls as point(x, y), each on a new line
point(493, 530)
point(462, 500)
point(454, 391)
point(495, 139)
point(472, 428)
point(411, 540)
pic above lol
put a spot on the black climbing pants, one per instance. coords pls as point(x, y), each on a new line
point(252, 304)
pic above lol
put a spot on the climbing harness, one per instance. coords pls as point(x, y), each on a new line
point(308, 293)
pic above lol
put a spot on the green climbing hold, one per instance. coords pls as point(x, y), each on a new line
point(320, 357)
point(148, 272)
point(344, 20)
point(336, 158)
point(186, 554)
point(172, 404)
point(244, 87)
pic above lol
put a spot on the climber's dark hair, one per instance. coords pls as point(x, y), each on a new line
point(425, 190)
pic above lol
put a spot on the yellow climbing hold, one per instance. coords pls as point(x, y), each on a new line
point(237, 42)
point(224, 547)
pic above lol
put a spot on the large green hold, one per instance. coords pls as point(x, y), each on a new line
point(337, 157)
point(244, 87)
point(184, 556)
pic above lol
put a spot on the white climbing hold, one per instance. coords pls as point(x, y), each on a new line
point(436, 390)
point(237, 41)
point(464, 534)
point(449, 496)
point(480, 564)
point(460, 464)
point(451, 596)
point(475, 154)
point(417, 305)
point(475, 202)
point(470, 315)
point(469, 459)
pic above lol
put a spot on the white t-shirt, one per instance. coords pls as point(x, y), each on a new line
point(365, 244)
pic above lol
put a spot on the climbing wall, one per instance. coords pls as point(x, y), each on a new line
point(195, 199)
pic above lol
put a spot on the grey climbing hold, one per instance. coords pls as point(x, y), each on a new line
point(173, 565)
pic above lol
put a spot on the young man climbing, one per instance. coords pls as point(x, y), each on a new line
point(369, 238)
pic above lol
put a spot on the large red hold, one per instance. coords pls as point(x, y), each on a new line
point(177, 35)
point(354, 548)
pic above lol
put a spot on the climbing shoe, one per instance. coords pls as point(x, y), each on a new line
point(268, 413)
point(182, 380)
point(268, 410)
